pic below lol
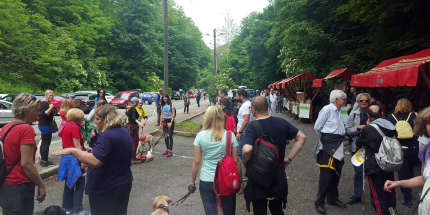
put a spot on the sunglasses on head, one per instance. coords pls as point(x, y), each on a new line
point(32, 99)
point(364, 100)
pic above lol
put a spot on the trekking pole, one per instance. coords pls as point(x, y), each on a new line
point(363, 185)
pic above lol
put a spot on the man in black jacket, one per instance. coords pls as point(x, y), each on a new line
point(371, 139)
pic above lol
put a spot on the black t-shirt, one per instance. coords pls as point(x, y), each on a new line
point(277, 128)
point(132, 115)
point(45, 119)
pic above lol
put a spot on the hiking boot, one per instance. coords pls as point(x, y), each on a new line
point(165, 152)
point(169, 154)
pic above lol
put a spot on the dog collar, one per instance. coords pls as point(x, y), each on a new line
point(164, 207)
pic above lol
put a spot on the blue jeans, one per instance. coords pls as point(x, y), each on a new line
point(239, 150)
point(208, 196)
point(358, 181)
point(72, 198)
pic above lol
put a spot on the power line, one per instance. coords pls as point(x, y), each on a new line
point(197, 12)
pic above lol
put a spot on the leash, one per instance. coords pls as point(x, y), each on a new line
point(165, 135)
point(181, 200)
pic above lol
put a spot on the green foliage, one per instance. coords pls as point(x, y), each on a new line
point(67, 45)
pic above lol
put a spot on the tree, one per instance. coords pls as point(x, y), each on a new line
point(229, 30)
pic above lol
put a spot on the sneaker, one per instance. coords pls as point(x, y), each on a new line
point(165, 152)
point(49, 163)
point(347, 152)
point(245, 179)
point(157, 125)
point(407, 204)
point(136, 161)
point(82, 213)
point(68, 211)
point(169, 154)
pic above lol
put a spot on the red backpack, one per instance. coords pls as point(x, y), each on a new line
point(230, 123)
point(226, 181)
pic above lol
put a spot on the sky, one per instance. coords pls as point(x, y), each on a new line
point(209, 14)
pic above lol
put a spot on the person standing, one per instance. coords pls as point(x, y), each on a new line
point(133, 125)
point(329, 151)
point(243, 117)
point(158, 100)
point(187, 102)
point(167, 120)
point(141, 112)
point(109, 176)
point(371, 139)
point(272, 99)
point(94, 131)
point(46, 118)
point(210, 143)
point(72, 138)
point(354, 125)
point(404, 110)
point(17, 191)
point(279, 100)
point(85, 125)
point(101, 95)
point(199, 95)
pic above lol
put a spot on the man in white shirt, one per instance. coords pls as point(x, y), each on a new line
point(273, 102)
point(243, 117)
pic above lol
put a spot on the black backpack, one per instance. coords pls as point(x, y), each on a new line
point(3, 172)
point(262, 166)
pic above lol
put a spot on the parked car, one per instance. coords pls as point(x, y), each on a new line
point(6, 115)
point(138, 90)
point(123, 98)
point(191, 94)
point(109, 97)
point(80, 92)
point(56, 101)
point(69, 95)
point(87, 101)
point(177, 95)
point(2, 95)
point(12, 96)
point(147, 98)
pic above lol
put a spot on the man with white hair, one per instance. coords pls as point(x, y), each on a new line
point(329, 151)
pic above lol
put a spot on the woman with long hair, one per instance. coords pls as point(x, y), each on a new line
point(46, 118)
point(210, 144)
point(109, 176)
point(94, 132)
point(405, 111)
point(72, 138)
point(65, 105)
point(167, 120)
point(133, 125)
point(421, 128)
point(101, 95)
point(18, 189)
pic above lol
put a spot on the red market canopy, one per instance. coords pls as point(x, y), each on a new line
point(401, 71)
point(281, 84)
point(345, 73)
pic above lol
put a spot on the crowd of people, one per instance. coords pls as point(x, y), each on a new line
point(252, 125)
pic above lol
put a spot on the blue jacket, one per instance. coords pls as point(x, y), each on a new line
point(70, 170)
point(97, 99)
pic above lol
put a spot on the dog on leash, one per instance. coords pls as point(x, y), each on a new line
point(145, 139)
point(145, 158)
point(38, 151)
point(161, 205)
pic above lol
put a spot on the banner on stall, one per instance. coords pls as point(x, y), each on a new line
point(305, 111)
point(344, 113)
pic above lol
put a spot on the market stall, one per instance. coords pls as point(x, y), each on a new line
point(411, 71)
point(294, 89)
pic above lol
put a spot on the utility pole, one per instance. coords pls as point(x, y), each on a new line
point(166, 59)
point(215, 73)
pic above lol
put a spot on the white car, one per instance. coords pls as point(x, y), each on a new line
point(6, 115)
point(109, 97)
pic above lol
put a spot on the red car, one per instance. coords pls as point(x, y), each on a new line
point(191, 94)
point(123, 99)
point(56, 101)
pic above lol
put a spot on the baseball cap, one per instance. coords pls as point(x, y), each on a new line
point(134, 100)
point(160, 90)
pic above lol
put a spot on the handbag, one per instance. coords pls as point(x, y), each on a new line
point(53, 126)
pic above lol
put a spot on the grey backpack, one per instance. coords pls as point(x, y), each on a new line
point(390, 154)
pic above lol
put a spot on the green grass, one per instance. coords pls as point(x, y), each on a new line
point(192, 127)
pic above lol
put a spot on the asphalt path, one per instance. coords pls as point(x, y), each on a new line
point(56, 143)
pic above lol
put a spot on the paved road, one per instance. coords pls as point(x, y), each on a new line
point(179, 104)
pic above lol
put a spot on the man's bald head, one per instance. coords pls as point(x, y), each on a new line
point(374, 112)
point(259, 104)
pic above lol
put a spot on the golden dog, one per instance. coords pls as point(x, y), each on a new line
point(145, 139)
point(161, 205)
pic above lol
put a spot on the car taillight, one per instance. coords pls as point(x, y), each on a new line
point(87, 101)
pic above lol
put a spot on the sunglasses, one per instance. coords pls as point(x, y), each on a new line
point(364, 100)
point(32, 99)
point(342, 99)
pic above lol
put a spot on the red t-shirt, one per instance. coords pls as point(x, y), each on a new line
point(63, 115)
point(22, 134)
point(71, 131)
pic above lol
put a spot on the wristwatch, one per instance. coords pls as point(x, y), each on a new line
point(240, 132)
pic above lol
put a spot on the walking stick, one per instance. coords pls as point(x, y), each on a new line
point(363, 185)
